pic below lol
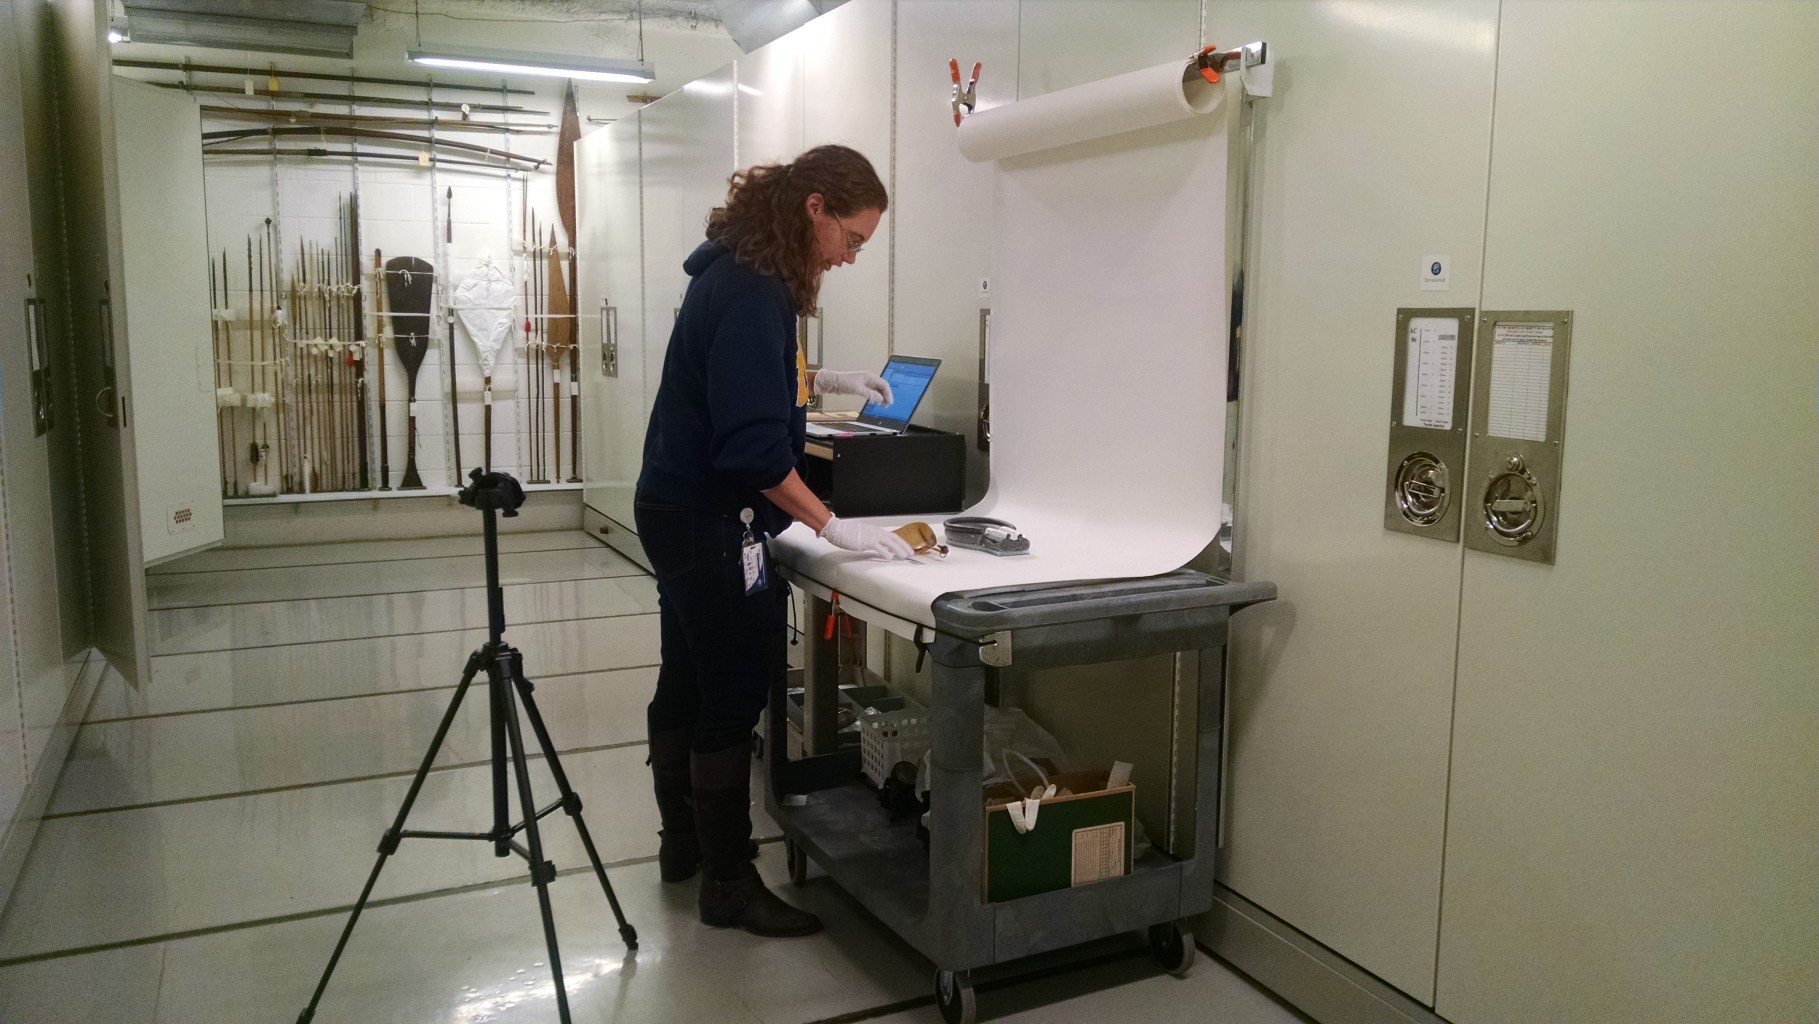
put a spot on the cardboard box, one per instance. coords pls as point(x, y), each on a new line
point(1081, 838)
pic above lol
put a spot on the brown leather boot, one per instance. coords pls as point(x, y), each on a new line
point(679, 855)
point(745, 902)
point(732, 894)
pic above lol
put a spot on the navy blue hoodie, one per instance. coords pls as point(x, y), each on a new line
point(727, 422)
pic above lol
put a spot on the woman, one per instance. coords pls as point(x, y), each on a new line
point(719, 477)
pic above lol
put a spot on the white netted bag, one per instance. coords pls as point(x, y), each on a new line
point(485, 304)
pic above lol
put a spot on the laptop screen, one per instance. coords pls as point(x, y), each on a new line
point(909, 377)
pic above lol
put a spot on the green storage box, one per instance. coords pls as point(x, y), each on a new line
point(1081, 838)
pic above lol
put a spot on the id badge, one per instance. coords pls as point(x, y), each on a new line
point(752, 558)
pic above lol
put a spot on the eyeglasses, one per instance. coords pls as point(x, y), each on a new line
point(855, 242)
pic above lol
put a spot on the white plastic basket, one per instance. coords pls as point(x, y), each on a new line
point(890, 737)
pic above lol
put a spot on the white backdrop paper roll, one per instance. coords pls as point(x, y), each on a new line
point(1108, 352)
point(1110, 106)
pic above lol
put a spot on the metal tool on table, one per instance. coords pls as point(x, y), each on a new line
point(983, 533)
point(408, 281)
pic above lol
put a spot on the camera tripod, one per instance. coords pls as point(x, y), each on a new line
point(506, 689)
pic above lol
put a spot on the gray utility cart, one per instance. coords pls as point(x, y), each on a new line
point(934, 898)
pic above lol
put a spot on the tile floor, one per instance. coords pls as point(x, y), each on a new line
point(213, 826)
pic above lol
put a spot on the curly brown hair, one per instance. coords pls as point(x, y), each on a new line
point(765, 222)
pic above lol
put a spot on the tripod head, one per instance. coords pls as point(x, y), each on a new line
point(493, 492)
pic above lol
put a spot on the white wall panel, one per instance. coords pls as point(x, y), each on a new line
point(1342, 690)
point(846, 86)
point(611, 222)
point(688, 154)
point(941, 208)
point(770, 100)
point(1632, 820)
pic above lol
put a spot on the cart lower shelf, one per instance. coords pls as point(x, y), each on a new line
point(885, 867)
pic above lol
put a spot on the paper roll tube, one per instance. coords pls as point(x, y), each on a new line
point(1129, 102)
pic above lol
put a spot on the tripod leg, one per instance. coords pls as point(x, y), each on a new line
point(571, 801)
point(497, 693)
point(542, 871)
point(388, 844)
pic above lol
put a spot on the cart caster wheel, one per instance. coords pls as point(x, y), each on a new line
point(798, 862)
point(1173, 946)
point(954, 997)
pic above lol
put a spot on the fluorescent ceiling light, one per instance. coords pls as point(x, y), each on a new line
point(590, 69)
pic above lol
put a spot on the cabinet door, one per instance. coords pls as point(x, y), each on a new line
point(104, 414)
point(163, 243)
point(1630, 834)
point(24, 482)
point(846, 89)
point(1341, 694)
point(610, 220)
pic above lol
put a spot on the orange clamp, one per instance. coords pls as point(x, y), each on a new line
point(1207, 70)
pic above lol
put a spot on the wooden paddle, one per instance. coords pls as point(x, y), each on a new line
point(408, 281)
point(565, 207)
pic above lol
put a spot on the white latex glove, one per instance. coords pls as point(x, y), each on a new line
point(869, 386)
point(865, 538)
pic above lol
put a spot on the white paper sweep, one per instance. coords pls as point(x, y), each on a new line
point(1109, 326)
point(484, 305)
point(1111, 106)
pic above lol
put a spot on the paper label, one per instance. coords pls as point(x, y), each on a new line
point(1098, 853)
point(574, 388)
point(486, 398)
point(1522, 363)
point(1433, 362)
point(411, 409)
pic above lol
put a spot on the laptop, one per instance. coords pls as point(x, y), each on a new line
point(909, 378)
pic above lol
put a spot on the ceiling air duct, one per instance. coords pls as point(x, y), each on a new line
point(316, 28)
point(752, 23)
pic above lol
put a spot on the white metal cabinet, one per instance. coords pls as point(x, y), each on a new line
point(941, 205)
point(1631, 822)
point(610, 220)
point(88, 173)
point(768, 121)
point(846, 90)
point(21, 458)
point(1341, 695)
point(688, 154)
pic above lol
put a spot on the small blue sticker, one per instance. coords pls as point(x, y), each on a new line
point(1435, 269)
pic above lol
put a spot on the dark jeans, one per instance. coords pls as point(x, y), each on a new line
point(722, 650)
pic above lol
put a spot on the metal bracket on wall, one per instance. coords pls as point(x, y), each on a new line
point(38, 349)
point(982, 437)
point(609, 339)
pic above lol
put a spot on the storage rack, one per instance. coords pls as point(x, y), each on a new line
point(934, 898)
